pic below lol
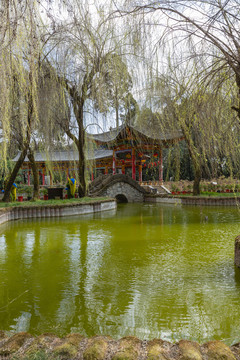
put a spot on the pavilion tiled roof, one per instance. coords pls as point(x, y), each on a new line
point(159, 134)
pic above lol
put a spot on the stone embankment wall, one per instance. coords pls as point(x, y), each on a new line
point(16, 213)
point(195, 200)
point(77, 347)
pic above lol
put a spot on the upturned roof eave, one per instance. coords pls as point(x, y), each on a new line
point(111, 137)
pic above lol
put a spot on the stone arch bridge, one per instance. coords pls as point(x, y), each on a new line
point(121, 187)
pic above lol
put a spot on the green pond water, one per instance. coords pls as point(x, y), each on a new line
point(146, 270)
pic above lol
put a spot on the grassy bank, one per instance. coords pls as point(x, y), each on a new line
point(40, 203)
point(211, 194)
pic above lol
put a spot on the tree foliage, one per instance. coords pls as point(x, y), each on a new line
point(65, 63)
point(91, 72)
point(19, 56)
point(198, 80)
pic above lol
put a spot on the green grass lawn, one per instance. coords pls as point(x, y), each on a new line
point(213, 194)
point(40, 203)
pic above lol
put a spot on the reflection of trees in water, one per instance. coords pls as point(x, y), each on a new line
point(237, 276)
point(12, 278)
point(70, 307)
point(104, 287)
point(91, 299)
point(117, 275)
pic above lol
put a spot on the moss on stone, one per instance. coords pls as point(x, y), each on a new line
point(190, 350)
point(126, 354)
point(23, 346)
point(69, 346)
point(42, 342)
point(129, 340)
point(39, 355)
point(74, 339)
point(96, 350)
point(156, 350)
point(129, 348)
point(14, 343)
point(67, 351)
point(216, 350)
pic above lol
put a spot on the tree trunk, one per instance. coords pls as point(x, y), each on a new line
point(82, 189)
point(237, 109)
point(35, 174)
point(26, 143)
point(117, 108)
point(117, 118)
point(196, 165)
point(197, 179)
point(6, 197)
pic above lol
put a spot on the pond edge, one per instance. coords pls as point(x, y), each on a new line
point(195, 200)
point(19, 213)
point(75, 347)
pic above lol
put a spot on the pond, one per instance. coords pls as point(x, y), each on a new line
point(147, 270)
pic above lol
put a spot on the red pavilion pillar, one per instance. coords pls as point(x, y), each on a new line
point(43, 176)
point(140, 173)
point(28, 177)
point(133, 164)
point(123, 168)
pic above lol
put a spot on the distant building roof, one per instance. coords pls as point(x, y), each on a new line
point(58, 156)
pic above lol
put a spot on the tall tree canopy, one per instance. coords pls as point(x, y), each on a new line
point(88, 66)
point(204, 29)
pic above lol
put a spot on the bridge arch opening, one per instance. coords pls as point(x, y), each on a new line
point(121, 198)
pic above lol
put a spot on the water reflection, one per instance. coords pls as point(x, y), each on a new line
point(149, 270)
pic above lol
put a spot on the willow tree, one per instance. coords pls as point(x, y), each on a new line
point(118, 84)
point(204, 117)
point(23, 52)
point(206, 33)
point(19, 74)
point(87, 61)
point(210, 27)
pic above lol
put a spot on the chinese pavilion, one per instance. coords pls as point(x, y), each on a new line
point(127, 150)
point(134, 148)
